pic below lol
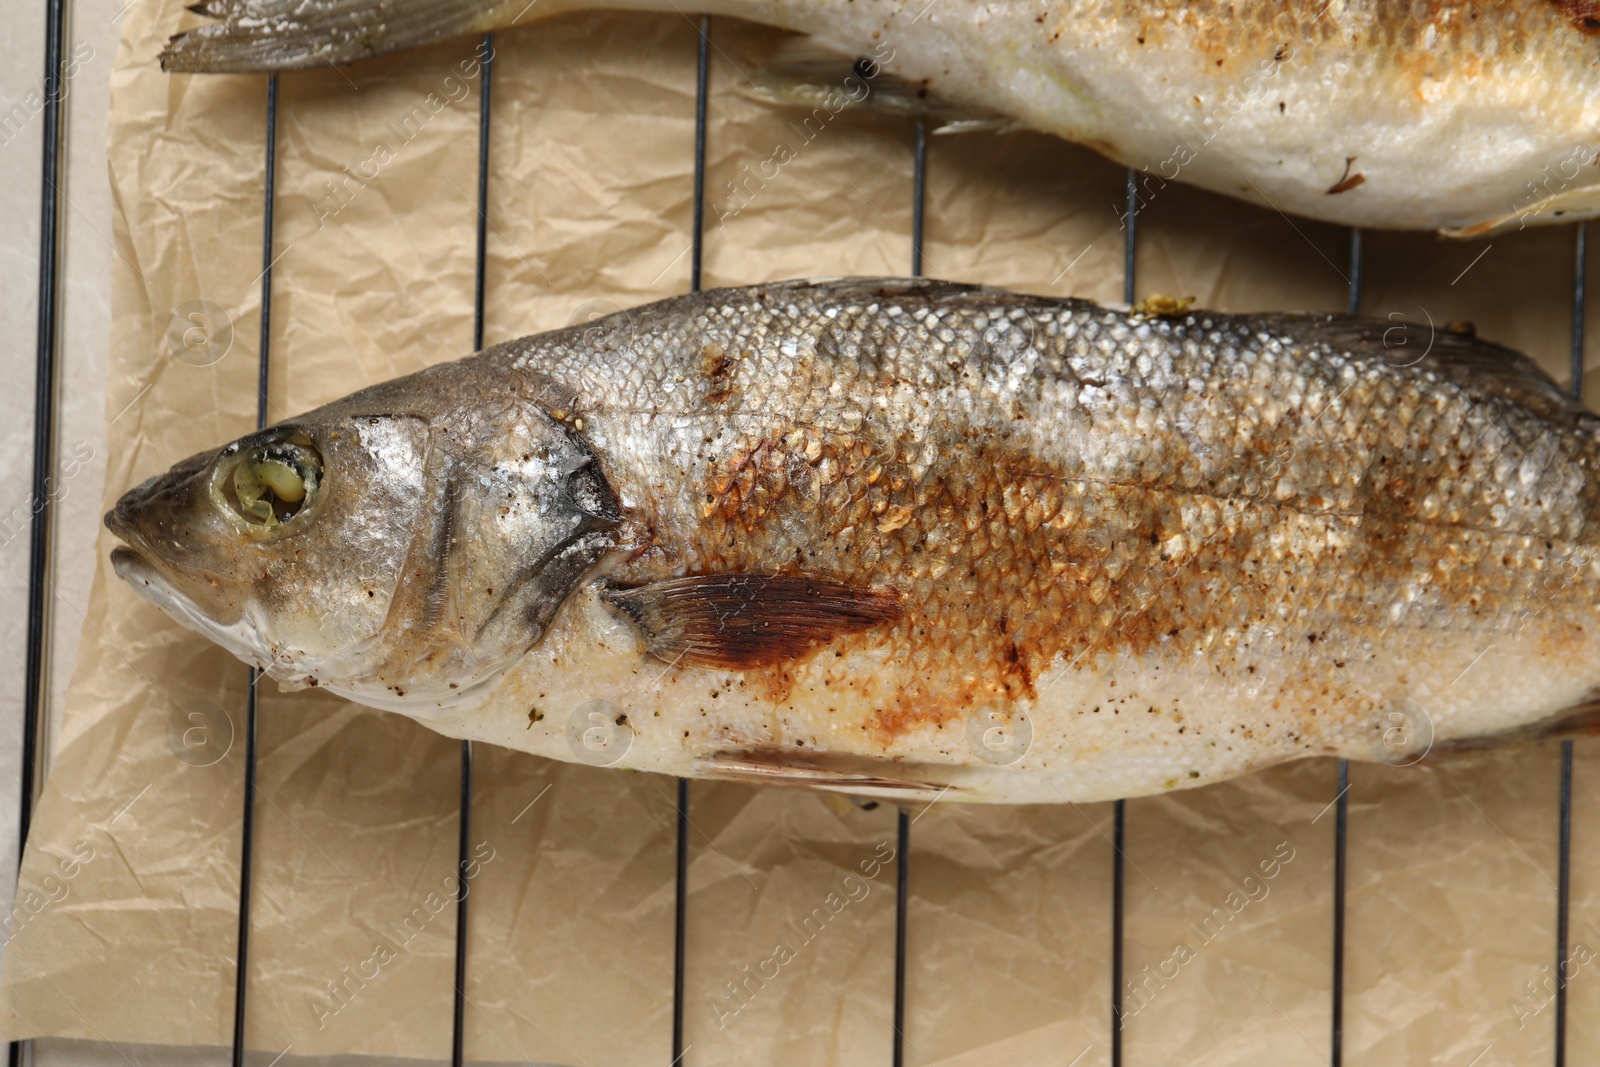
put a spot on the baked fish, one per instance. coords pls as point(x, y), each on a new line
point(917, 538)
point(1460, 115)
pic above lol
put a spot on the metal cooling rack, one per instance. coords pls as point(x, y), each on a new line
point(48, 352)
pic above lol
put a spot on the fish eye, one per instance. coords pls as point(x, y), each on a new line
point(270, 484)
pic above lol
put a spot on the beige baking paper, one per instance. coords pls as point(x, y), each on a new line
point(127, 927)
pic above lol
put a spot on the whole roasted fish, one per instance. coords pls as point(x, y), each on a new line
point(914, 537)
point(1457, 115)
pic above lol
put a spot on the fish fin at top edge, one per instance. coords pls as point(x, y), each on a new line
point(1482, 369)
point(763, 767)
point(1570, 205)
point(1580, 720)
point(744, 621)
point(797, 72)
point(270, 35)
point(933, 292)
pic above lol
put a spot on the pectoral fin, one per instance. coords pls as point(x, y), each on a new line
point(743, 621)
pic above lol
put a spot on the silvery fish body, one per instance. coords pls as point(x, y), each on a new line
point(918, 539)
point(1458, 115)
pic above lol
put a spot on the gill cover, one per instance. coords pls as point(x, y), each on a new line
point(518, 513)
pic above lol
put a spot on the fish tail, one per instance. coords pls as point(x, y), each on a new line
point(273, 35)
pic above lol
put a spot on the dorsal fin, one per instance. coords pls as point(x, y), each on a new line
point(1485, 370)
point(1482, 369)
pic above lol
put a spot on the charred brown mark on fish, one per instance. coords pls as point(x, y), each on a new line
point(1583, 14)
point(962, 540)
point(1009, 563)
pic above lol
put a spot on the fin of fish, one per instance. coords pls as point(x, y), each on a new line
point(1580, 720)
point(254, 35)
point(1481, 369)
point(799, 73)
point(1488, 370)
point(743, 621)
point(839, 774)
point(1577, 203)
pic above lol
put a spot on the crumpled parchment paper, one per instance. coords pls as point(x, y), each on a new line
point(125, 929)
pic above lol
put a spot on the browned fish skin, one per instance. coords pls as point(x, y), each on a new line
point(1252, 491)
point(1182, 547)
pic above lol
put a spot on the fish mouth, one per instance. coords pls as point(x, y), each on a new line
point(134, 562)
point(116, 520)
point(242, 636)
point(147, 564)
point(139, 571)
point(130, 566)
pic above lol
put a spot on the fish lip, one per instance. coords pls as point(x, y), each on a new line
point(142, 573)
point(119, 526)
point(133, 567)
point(119, 519)
point(141, 568)
point(135, 549)
point(146, 577)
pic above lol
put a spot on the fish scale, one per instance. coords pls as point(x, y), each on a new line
point(832, 532)
point(1290, 538)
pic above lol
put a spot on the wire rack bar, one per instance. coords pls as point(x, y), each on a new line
point(1341, 801)
point(680, 918)
point(1563, 902)
point(1564, 852)
point(247, 830)
point(902, 893)
point(44, 411)
point(36, 671)
point(1341, 824)
point(1119, 810)
point(680, 924)
point(480, 265)
point(701, 76)
point(458, 1014)
point(919, 194)
point(1354, 293)
point(1580, 274)
point(1131, 218)
point(1119, 837)
point(902, 905)
point(458, 1017)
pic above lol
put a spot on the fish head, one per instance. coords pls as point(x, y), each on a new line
point(399, 547)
